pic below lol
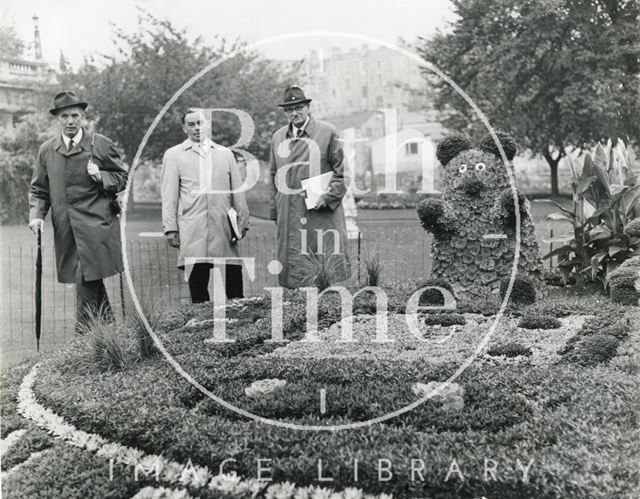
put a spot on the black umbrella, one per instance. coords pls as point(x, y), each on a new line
point(39, 290)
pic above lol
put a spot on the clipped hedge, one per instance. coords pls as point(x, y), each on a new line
point(68, 472)
point(153, 409)
point(538, 321)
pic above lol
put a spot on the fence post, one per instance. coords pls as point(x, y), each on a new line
point(551, 248)
point(359, 248)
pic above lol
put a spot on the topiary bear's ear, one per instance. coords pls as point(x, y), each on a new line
point(450, 147)
point(508, 144)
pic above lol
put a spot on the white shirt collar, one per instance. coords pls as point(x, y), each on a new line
point(202, 146)
point(76, 139)
point(295, 129)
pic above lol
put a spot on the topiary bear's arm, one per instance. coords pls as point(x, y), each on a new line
point(433, 217)
point(504, 208)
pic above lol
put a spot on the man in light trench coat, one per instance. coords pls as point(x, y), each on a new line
point(80, 193)
point(308, 239)
point(194, 218)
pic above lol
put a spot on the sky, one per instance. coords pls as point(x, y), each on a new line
point(82, 27)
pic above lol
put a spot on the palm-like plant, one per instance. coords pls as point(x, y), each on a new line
point(606, 195)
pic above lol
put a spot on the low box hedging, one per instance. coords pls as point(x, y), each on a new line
point(444, 319)
point(143, 407)
point(34, 440)
point(538, 321)
point(512, 349)
point(71, 473)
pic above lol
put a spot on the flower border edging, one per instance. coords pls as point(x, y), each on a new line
point(166, 470)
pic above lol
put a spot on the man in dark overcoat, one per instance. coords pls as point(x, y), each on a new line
point(78, 175)
point(309, 239)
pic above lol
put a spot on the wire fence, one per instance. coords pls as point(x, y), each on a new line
point(155, 277)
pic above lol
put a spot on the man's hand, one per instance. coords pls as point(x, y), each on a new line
point(173, 239)
point(94, 171)
point(37, 224)
point(321, 203)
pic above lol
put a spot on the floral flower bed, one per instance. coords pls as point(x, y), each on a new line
point(577, 425)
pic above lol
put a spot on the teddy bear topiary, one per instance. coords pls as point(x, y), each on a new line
point(474, 222)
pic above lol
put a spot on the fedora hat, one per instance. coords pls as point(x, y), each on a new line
point(64, 100)
point(294, 95)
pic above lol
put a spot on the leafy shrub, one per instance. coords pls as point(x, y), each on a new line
point(605, 198)
point(445, 319)
point(522, 293)
point(433, 297)
point(593, 349)
point(512, 349)
point(622, 282)
point(622, 295)
point(538, 321)
point(632, 229)
point(322, 271)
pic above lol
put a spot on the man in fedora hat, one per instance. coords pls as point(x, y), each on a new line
point(77, 174)
point(306, 148)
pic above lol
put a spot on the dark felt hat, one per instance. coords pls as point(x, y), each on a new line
point(64, 100)
point(293, 96)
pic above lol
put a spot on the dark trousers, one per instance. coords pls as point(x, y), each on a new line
point(92, 301)
point(199, 282)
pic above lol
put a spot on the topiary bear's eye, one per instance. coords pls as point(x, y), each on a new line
point(481, 167)
point(463, 168)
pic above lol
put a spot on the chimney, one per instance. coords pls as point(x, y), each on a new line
point(37, 46)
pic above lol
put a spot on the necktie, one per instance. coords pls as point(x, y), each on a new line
point(71, 144)
point(299, 133)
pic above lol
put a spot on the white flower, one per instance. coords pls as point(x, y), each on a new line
point(303, 493)
point(439, 391)
point(252, 487)
point(264, 387)
point(227, 482)
point(321, 493)
point(283, 490)
point(109, 450)
point(161, 493)
point(172, 471)
point(352, 493)
point(129, 456)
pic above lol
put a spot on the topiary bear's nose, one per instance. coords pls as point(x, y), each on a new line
point(471, 186)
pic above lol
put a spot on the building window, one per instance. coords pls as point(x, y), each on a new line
point(411, 148)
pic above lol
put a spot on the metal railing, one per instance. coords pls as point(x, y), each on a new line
point(155, 277)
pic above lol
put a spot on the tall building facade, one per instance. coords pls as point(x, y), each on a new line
point(21, 81)
point(365, 79)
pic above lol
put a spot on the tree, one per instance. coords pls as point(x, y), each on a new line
point(18, 150)
point(558, 74)
point(11, 46)
point(127, 91)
